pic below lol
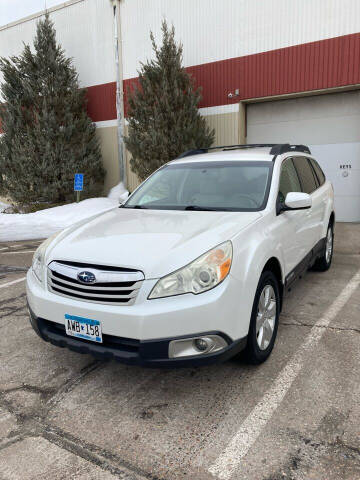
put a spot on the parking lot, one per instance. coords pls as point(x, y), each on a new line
point(65, 415)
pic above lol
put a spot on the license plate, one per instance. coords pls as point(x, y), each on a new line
point(81, 327)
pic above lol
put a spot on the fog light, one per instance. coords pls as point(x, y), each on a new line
point(201, 344)
point(186, 347)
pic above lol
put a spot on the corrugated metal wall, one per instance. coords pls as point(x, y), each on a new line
point(227, 44)
point(313, 66)
point(262, 48)
point(85, 31)
point(213, 30)
point(132, 179)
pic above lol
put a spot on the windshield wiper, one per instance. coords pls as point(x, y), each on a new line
point(198, 208)
point(137, 206)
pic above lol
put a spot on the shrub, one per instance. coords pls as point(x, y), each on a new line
point(48, 135)
point(164, 120)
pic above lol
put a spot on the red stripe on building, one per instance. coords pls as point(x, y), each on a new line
point(312, 66)
point(330, 63)
point(101, 101)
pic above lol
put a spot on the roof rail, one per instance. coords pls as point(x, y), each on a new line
point(276, 148)
point(243, 146)
point(194, 151)
point(286, 147)
point(246, 145)
point(197, 151)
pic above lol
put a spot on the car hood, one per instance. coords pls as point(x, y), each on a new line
point(157, 242)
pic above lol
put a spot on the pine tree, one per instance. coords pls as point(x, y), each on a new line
point(48, 135)
point(163, 110)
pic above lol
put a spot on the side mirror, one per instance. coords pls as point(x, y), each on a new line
point(296, 201)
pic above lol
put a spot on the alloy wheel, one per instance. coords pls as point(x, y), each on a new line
point(266, 315)
point(329, 245)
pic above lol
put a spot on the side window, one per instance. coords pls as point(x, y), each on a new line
point(306, 174)
point(317, 183)
point(319, 173)
point(289, 180)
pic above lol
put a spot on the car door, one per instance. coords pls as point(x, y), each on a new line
point(311, 227)
point(322, 196)
point(290, 224)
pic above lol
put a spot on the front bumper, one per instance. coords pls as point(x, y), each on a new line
point(150, 353)
point(225, 308)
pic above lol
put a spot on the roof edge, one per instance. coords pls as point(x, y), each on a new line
point(39, 14)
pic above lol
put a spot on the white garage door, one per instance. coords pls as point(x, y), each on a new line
point(330, 125)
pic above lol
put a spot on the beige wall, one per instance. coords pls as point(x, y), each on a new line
point(109, 151)
point(227, 132)
point(132, 179)
point(226, 128)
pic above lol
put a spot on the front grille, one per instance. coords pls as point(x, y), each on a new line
point(112, 286)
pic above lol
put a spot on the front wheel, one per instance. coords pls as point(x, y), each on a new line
point(264, 319)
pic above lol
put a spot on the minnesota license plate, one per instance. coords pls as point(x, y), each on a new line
point(85, 328)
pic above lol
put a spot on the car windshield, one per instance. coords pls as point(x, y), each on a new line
point(220, 186)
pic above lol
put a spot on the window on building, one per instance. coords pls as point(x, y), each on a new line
point(289, 180)
point(306, 174)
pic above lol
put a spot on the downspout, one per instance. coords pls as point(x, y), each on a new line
point(119, 92)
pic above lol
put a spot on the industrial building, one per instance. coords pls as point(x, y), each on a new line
point(270, 71)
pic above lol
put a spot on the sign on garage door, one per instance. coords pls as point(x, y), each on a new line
point(330, 125)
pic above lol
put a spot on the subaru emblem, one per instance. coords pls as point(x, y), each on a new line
point(86, 277)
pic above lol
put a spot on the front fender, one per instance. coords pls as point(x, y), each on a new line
point(329, 209)
point(250, 257)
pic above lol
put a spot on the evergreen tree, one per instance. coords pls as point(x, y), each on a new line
point(48, 135)
point(163, 110)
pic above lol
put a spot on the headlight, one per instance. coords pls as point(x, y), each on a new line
point(39, 257)
point(199, 276)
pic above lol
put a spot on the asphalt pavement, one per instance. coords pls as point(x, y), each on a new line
point(67, 416)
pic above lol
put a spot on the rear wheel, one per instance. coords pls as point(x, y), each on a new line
point(323, 263)
point(264, 319)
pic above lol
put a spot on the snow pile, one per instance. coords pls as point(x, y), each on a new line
point(42, 224)
point(119, 193)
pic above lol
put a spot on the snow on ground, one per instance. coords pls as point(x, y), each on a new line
point(42, 224)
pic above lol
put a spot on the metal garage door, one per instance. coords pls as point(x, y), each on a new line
point(330, 125)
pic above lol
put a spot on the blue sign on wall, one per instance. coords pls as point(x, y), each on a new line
point(78, 182)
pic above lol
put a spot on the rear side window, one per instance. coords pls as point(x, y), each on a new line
point(289, 180)
point(306, 174)
point(319, 173)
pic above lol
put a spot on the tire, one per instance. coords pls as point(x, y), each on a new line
point(323, 263)
point(259, 345)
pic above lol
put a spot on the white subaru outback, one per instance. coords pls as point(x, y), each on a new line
point(193, 267)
